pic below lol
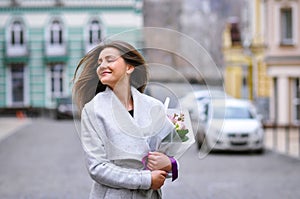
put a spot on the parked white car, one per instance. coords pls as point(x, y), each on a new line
point(233, 124)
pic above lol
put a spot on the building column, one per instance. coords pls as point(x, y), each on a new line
point(282, 94)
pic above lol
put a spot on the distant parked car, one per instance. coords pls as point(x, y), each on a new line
point(64, 108)
point(233, 124)
point(195, 101)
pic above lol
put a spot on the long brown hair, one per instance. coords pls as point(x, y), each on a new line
point(86, 81)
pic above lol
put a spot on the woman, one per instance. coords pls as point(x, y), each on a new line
point(121, 128)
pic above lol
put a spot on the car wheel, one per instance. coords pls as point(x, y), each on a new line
point(260, 151)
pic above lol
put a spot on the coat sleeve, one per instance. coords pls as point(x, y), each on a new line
point(100, 168)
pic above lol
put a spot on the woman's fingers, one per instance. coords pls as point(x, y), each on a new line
point(157, 179)
point(157, 160)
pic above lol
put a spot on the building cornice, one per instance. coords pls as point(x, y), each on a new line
point(67, 5)
point(57, 9)
point(282, 60)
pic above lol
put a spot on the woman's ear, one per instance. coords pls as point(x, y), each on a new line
point(130, 69)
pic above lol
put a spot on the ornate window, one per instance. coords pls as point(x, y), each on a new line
point(16, 39)
point(17, 33)
point(55, 39)
point(94, 34)
point(235, 34)
point(56, 30)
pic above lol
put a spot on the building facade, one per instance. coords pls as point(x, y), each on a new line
point(282, 19)
point(42, 42)
point(265, 65)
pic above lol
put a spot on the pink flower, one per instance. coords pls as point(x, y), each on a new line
point(178, 121)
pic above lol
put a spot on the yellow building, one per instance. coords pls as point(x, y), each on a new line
point(243, 49)
point(238, 67)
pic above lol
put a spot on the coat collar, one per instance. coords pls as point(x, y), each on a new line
point(148, 113)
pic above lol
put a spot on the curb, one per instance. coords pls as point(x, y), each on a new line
point(10, 126)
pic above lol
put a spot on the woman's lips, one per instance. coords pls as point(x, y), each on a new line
point(105, 72)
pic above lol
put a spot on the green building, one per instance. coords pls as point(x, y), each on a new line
point(42, 41)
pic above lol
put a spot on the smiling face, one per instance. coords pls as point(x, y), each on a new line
point(112, 68)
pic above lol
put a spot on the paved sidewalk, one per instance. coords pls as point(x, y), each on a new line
point(10, 125)
point(283, 141)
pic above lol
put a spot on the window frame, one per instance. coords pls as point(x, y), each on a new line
point(16, 48)
point(56, 31)
point(285, 39)
point(296, 100)
point(55, 38)
point(56, 74)
point(87, 35)
point(10, 86)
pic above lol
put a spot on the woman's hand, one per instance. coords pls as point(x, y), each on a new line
point(158, 161)
point(158, 178)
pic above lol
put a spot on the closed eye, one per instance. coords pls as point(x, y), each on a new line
point(108, 59)
point(111, 60)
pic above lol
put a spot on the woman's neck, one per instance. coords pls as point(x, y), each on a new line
point(124, 94)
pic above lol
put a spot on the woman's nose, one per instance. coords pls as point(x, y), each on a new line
point(103, 65)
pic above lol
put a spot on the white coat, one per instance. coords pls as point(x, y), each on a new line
point(115, 143)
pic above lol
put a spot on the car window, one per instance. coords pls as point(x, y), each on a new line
point(232, 113)
point(201, 98)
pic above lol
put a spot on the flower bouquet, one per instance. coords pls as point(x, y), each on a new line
point(182, 137)
point(180, 127)
point(182, 124)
